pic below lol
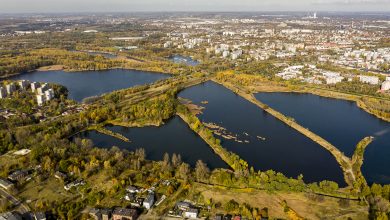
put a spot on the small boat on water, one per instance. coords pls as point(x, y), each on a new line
point(246, 134)
point(261, 138)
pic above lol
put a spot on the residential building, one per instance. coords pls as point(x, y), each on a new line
point(10, 88)
point(41, 99)
point(149, 201)
point(334, 80)
point(373, 80)
point(3, 93)
point(34, 86)
point(385, 85)
point(236, 54)
point(225, 54)
point(191, 213)
point(23, 84)
point(124, 214)
point(42, 89)
point(49, 94)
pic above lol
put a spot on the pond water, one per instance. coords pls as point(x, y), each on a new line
point(172, 137)
point(92, 83)
point(343, 124)
point(262, 140)
point(183, 59)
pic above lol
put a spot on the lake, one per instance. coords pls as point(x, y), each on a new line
point(172, 137)
point(270, 143)
point(343, 124)
point(184, 60)
point(92, 83)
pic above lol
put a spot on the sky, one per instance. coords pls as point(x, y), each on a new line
point(37, 6)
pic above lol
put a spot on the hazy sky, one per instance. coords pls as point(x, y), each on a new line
point(11, 6)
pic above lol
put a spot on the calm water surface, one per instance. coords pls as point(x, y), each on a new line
point(283, 149)
point(343, 124)
point(91, 83)
point(173, 137)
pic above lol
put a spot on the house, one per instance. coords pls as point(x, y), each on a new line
point(14, 215)
point(130, 197)
point(76, 183)
point(100, 214)
point(105, 214)
point(149, 201)
point(95, 213)
point(191, 213)
point(237, 217)
point(124, 214)
point(183, 205)
point(39, 216)
point(132, 189)
point(6, 184)
point(218, 217)
point(59, 175)
point(227, 217)
point(18, 175)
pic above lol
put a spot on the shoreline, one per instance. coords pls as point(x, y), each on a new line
point(343, 161)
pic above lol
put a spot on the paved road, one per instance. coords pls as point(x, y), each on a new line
point(20, 207)
point(9, 197)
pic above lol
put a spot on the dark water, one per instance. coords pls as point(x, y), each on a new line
point(284, 150)
point(183, 59)
point(92, 83)
point(173, 137)
point(343, 124)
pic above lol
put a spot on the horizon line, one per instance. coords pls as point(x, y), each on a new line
point(199, 11)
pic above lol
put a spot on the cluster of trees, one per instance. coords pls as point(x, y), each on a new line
point(264, 68)
point(33, 59)
point(152, 110)
point(245, 209)
point(234, 161)
point(356, 87)
point(378, 107)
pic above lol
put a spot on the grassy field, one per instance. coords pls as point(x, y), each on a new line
point(50, 190)
point(327, 208)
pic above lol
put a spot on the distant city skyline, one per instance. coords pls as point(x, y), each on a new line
point(44, 6)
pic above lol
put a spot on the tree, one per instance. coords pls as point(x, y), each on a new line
point(166, 161)
point(231, 206)
point(176, 160)
point(184, 171)
point(202, 172)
